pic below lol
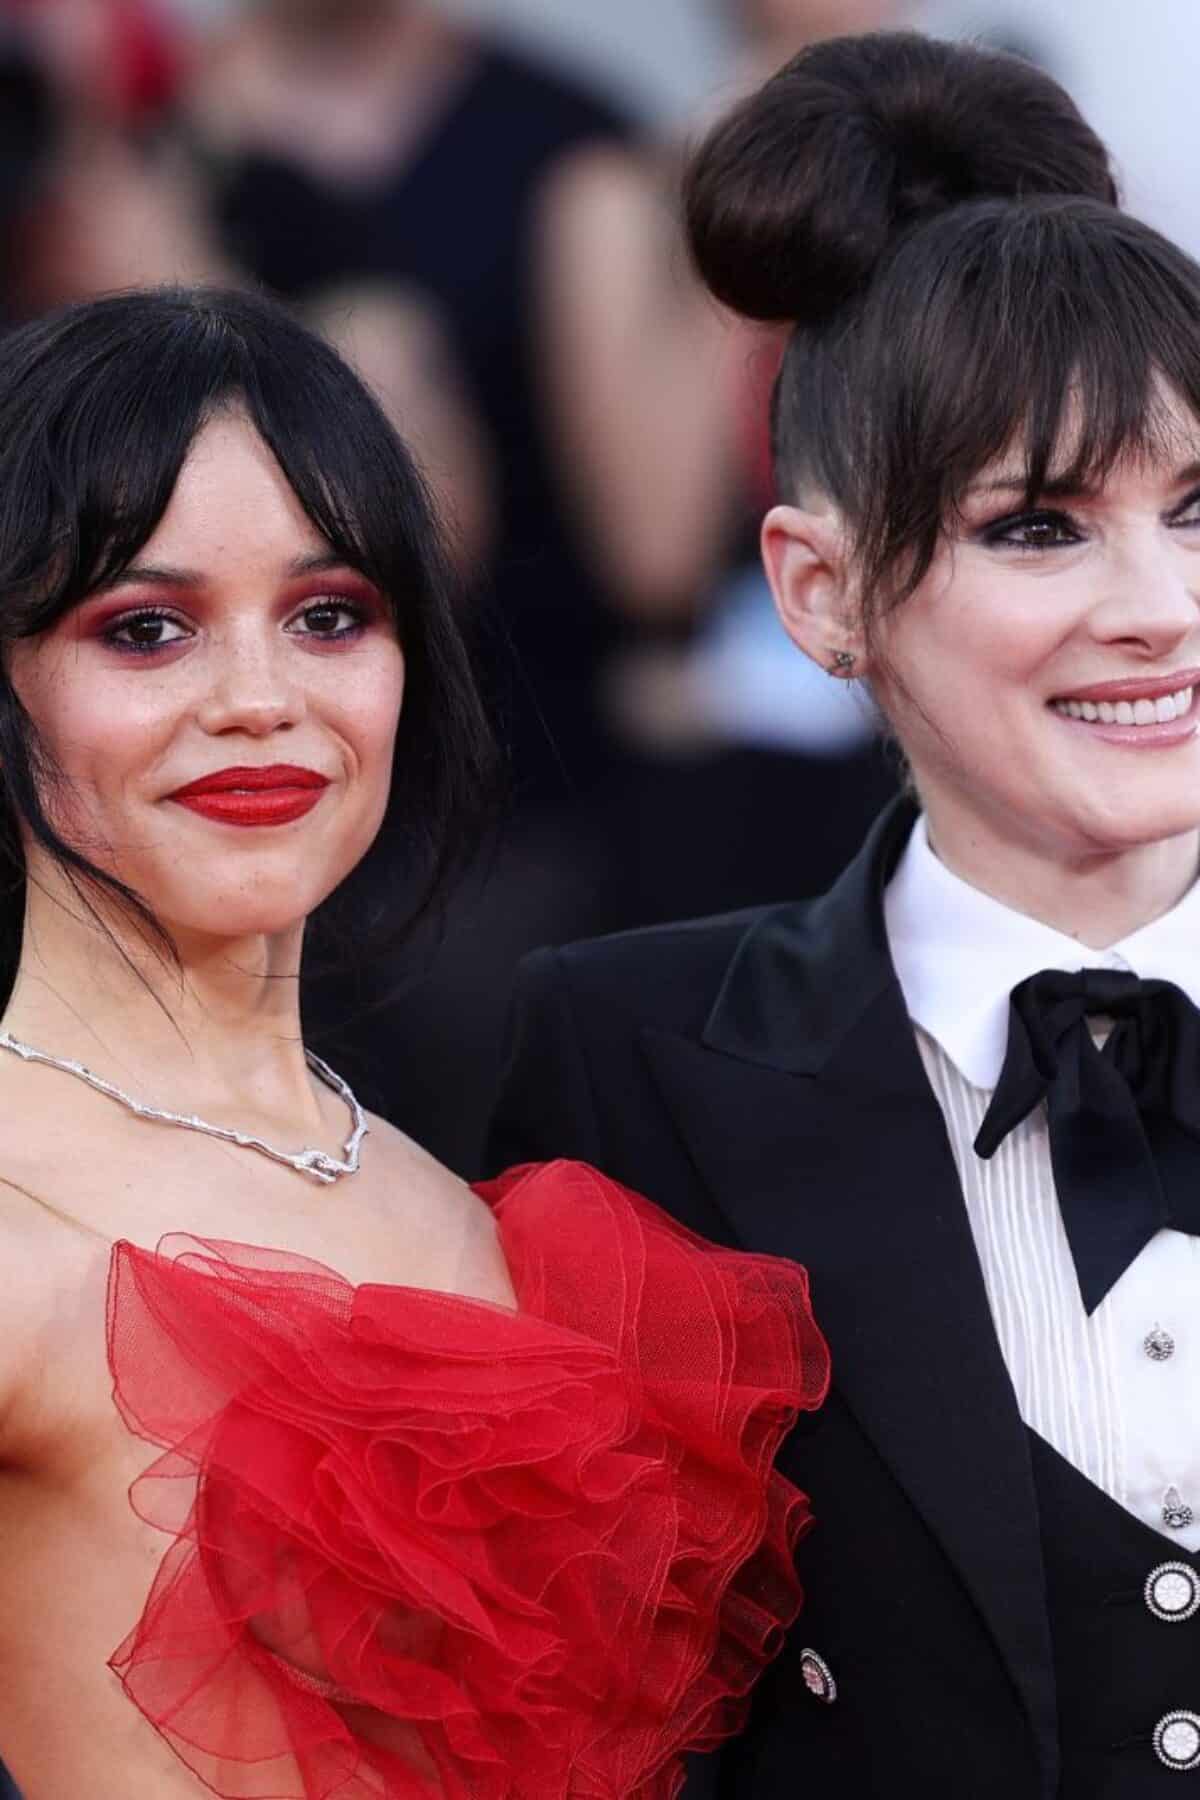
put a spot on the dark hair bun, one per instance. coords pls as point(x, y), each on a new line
point(794, 197)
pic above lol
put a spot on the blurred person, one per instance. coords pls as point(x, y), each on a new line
point(121, 58)
point(409, 1491)
point(963, 1085)
point(648, 375)
point(663, 438)
point(649, 370)
point(117, 208)
point(122, 205)
point(397, 340)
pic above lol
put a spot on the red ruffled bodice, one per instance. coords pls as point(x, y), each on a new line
point(427, 1546)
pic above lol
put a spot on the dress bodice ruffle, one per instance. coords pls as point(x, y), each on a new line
point(428, 1546)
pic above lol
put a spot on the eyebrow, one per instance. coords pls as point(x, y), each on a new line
point(1061, 488)
point(162, 575)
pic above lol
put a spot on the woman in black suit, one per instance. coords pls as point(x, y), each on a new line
point(964, 1086)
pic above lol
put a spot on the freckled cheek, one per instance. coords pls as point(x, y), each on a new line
point(370, 728)
point(97, 744)
point(106, 736)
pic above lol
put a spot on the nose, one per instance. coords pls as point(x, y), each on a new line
point(251, 684)
point(1151, 603)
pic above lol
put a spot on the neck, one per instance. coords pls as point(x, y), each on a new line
point(1097, 896)
point(350, 104)
point(219, 1031)
point(388, 40)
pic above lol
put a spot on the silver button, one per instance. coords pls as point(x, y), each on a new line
point(1176, 1512)
point(1177, 1740)
point(1173, 1592)
point(1158, 1344)
point(818, 1677)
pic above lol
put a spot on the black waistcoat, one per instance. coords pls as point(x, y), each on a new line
point(1120, 1669)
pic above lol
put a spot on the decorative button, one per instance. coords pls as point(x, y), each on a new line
point(1158, 1344)
point(1173, 1592)
point(818, 1677)
point(1175, 1510)
point(1177, 1740)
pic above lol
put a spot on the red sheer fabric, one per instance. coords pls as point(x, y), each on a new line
point(426, 1546)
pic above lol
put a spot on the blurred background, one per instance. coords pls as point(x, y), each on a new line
point(475, 199)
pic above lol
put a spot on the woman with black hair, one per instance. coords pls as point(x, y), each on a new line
point(454, 1491)
point(964, 1086)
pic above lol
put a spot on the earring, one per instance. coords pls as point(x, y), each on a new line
point(843, 662)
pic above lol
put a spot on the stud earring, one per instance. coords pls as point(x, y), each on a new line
point(843, 662)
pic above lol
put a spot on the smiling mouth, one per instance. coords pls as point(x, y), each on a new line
point(1161, 709)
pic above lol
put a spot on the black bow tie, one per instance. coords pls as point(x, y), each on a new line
point(1124, 1117)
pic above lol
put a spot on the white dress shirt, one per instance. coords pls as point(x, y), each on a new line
point(1128, 1420)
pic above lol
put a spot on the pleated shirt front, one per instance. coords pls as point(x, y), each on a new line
point(1116, 1393)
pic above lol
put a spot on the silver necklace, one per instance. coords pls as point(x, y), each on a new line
point(306, 1162)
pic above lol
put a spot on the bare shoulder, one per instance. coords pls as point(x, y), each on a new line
point(448, 1231)
point(31, 1233)
point(49, 1269)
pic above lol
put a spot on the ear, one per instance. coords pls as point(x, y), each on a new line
point(808, 566)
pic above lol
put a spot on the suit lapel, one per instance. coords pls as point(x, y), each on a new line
point(808, 1115)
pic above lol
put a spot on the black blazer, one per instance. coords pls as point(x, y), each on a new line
point(757, 1075)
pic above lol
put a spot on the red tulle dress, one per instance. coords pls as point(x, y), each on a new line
point(429, 1546)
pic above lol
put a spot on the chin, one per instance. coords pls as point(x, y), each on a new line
point(234, 926)
point(1135, 826)
point(236, 915)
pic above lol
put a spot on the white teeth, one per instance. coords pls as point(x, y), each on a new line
point(1129, 712)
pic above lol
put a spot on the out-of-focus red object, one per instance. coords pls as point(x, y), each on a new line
point(147, 59)
point(123, 55)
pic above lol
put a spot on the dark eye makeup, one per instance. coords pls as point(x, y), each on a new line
point(1040, 530)
point(332, 619)
point(139, 633)
point(321, 619)
point(1053, 528)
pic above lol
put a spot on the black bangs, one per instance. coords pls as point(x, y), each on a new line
point(99, 406)
point(1046, 333)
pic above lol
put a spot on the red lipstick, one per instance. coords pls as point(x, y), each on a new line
point(254, 796)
